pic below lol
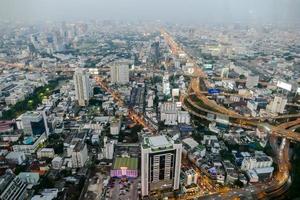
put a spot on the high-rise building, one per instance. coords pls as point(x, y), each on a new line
point(190, 177)
point(115, 126)
point(166, 85)
point(32, 123)
point(168, 113)
point(108, 149)
point(183, 117)
point(154, 53)
point(277, 105)
point(161, 164)
point(252, 81)
point(119, 73)
point(44, 111)
point(225, 72)
point(11, 187)
point(79, 155)
point(177, 64)
point(83, 89)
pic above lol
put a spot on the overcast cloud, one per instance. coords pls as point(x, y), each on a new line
point(165, 10)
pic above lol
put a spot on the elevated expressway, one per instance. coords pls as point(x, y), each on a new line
point(195, 89)
point(270, 190)
point(238, 120)
point(281, 182)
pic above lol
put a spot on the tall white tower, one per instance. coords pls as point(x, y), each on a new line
point(161, 164)
point(277, 105)
point(119, 73)
point(83, 87)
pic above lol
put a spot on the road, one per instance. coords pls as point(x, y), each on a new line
point(135, 117)
point(194, 87)
point(281, 177)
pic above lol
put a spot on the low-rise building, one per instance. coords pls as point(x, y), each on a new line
point(190, 177)
point(264, 173)
point(45, 153)
point(16, 157)
point(125, 166)
point(252, 176)
point(32, 146)
point(189, 144)
point(46, 194)
point(57, 162)
point(259, 160)
point(29, 177)
point(231, 173)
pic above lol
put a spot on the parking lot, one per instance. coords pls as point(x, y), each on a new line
point(123, 189)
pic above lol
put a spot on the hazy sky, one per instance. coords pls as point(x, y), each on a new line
point(165, 10)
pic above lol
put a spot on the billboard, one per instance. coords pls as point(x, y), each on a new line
point(175, 92)
point(284, 85)
point(178, 104)
point(214, 91)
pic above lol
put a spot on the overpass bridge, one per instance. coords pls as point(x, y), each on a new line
point(220, 110)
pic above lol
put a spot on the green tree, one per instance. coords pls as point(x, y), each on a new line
point(242, 76)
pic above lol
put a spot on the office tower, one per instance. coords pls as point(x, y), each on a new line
point(166, 85)
point(119, 73)
point(183, 117)
point(109, 147)
point(225, 72)
point(32, 123)
point(190, 177)
point(252, 81)
point(161, 163)
point(154, 53)
point(11, 187)
point(177, 64)
point(115, 126)
point(168, 113)
point(79, 154)
point(83, 87)
point(44, 111)
point(277, 105)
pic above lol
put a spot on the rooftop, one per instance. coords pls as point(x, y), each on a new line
point(190, 142)
point(264, 170)
point(129, 163)
point(158, 141)
point(31, 114)
point(5, 180)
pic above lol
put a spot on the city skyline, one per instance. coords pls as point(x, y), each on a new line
point(175, 11)
point(149, 100)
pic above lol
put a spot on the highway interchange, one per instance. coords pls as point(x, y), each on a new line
point(281, 179)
